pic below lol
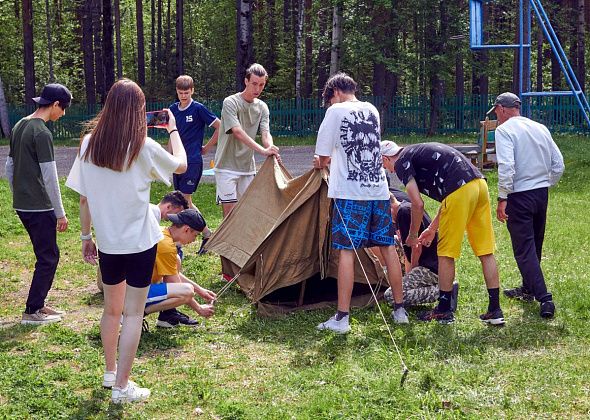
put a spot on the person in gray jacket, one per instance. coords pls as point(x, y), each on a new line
point(529, 162)
point(32, 175)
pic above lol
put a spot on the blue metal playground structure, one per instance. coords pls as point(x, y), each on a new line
point(524, 50)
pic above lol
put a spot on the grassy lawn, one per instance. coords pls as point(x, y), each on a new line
point(237, 365)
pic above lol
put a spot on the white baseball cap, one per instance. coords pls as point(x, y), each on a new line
point(389, 148)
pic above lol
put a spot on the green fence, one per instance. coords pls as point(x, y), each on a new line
point(399, 115)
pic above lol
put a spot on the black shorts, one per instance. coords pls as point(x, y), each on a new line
point(188, 182)
point(135, 268)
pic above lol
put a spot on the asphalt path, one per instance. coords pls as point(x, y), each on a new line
point(297, 160)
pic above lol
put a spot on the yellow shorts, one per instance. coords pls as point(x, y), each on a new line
point(466, 209)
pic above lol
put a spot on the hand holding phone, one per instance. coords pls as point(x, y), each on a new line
point(157, 118)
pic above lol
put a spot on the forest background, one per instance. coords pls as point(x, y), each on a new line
point(395, 49)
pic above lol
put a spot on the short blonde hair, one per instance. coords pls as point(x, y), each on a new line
point(184, 82)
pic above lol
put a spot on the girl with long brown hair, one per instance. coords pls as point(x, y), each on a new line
point(112, 173)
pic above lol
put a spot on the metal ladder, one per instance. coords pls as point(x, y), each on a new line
point(524, 51)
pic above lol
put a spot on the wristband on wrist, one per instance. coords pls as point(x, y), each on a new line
point(86, 237)
point(172, 131)
point(413, 235)
point(500, 199)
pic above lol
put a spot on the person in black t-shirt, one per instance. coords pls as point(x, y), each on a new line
point(445, 175)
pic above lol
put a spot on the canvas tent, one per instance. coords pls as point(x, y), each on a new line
point(278, 239)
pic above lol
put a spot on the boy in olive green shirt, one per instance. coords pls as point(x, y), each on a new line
point(32, 175)
point(242, 116)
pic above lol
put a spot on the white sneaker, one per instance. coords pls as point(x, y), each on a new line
point(339, 327)
point(130, 393)
point(400, 316)
point(108, 379)
point(39, 318)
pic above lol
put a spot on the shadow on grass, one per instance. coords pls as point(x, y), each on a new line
point(94, 406)
point(466, 338)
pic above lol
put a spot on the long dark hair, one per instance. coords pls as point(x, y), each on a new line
point(119, 130)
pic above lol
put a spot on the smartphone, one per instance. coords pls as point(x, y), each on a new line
point(157, 118)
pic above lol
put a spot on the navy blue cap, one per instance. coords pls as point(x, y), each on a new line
point(189, 217)
point(54, 92)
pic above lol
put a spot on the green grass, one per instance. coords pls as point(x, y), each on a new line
point(237, 365)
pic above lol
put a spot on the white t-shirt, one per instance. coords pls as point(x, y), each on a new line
point(155, 209)
point(119, 203)
point(351, 135)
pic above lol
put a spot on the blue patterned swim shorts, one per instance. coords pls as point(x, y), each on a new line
point(368, 223)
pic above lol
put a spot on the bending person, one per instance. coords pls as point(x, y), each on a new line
point(112, 173)
point(170, 288)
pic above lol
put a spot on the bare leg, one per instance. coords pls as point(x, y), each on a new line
point(114, 298)
point(131, 332)
point(227, 208)
point(446, 273)
point(189, 197)
point(394, 272)
point(490, 271)
point(178, 294)
point(345, 279)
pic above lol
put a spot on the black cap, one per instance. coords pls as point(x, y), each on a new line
point(54, 92)
point(189, 217)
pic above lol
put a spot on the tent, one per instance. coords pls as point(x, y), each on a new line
point(278, 239)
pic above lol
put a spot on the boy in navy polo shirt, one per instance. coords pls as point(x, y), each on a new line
point(191, 119)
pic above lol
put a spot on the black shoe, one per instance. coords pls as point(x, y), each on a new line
point(436, 315)
point(168, 319)
point(547, 309)
point(519, 293)
point(202, 250)
point(493, 318)
point(186, 320)
point(454, 296)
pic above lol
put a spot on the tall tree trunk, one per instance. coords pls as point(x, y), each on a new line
point(286, 16)
point(159, 38)
point(118, 42)
point(271, 52)
point(298, 48)
point(540, 55)
point(308, 85)
point(168, 40)
point(323, 65)
point(49, 44)
point(180, 37)
point(140, 44)
point(28, 53)
point(85, 17)
point(153, 40)
point(98, 64)
point(244, 52)
point(555, 69)
point(107, 44)
point(4, 121)
point(581, 41)
point(336, 37)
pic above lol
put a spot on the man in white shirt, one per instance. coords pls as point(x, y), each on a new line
point(529, 162)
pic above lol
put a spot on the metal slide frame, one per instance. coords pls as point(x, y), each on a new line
point(524, 51)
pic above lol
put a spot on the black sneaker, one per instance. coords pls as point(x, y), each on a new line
point(202, 250)
point(519, 293)
point(547, 309)
point(168, 319)
point(454, 296)
point(493, 318)
point(436, 315)
point(186, 320)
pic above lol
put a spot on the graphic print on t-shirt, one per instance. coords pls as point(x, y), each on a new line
point(359, 136)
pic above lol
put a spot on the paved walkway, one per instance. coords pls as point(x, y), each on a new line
point(297, 160)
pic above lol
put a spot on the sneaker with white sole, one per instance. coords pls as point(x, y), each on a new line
point(108, 379)
point(131, 393)
point(339, 327)
point(39, 318)
point(400, 316)
point(493, 318)
point(48, 310)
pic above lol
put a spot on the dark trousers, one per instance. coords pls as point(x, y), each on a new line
point(41, 227)
point(527, 214)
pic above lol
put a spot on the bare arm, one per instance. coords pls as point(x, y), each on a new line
point(417, 212)
point(241, 136)
point(89, 252)
point(175, 146)
point(213, 140)
point(320, 162)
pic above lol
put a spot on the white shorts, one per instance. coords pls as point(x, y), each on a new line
point(231, 187)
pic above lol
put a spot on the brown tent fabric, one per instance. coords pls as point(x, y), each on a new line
point(278, 239)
